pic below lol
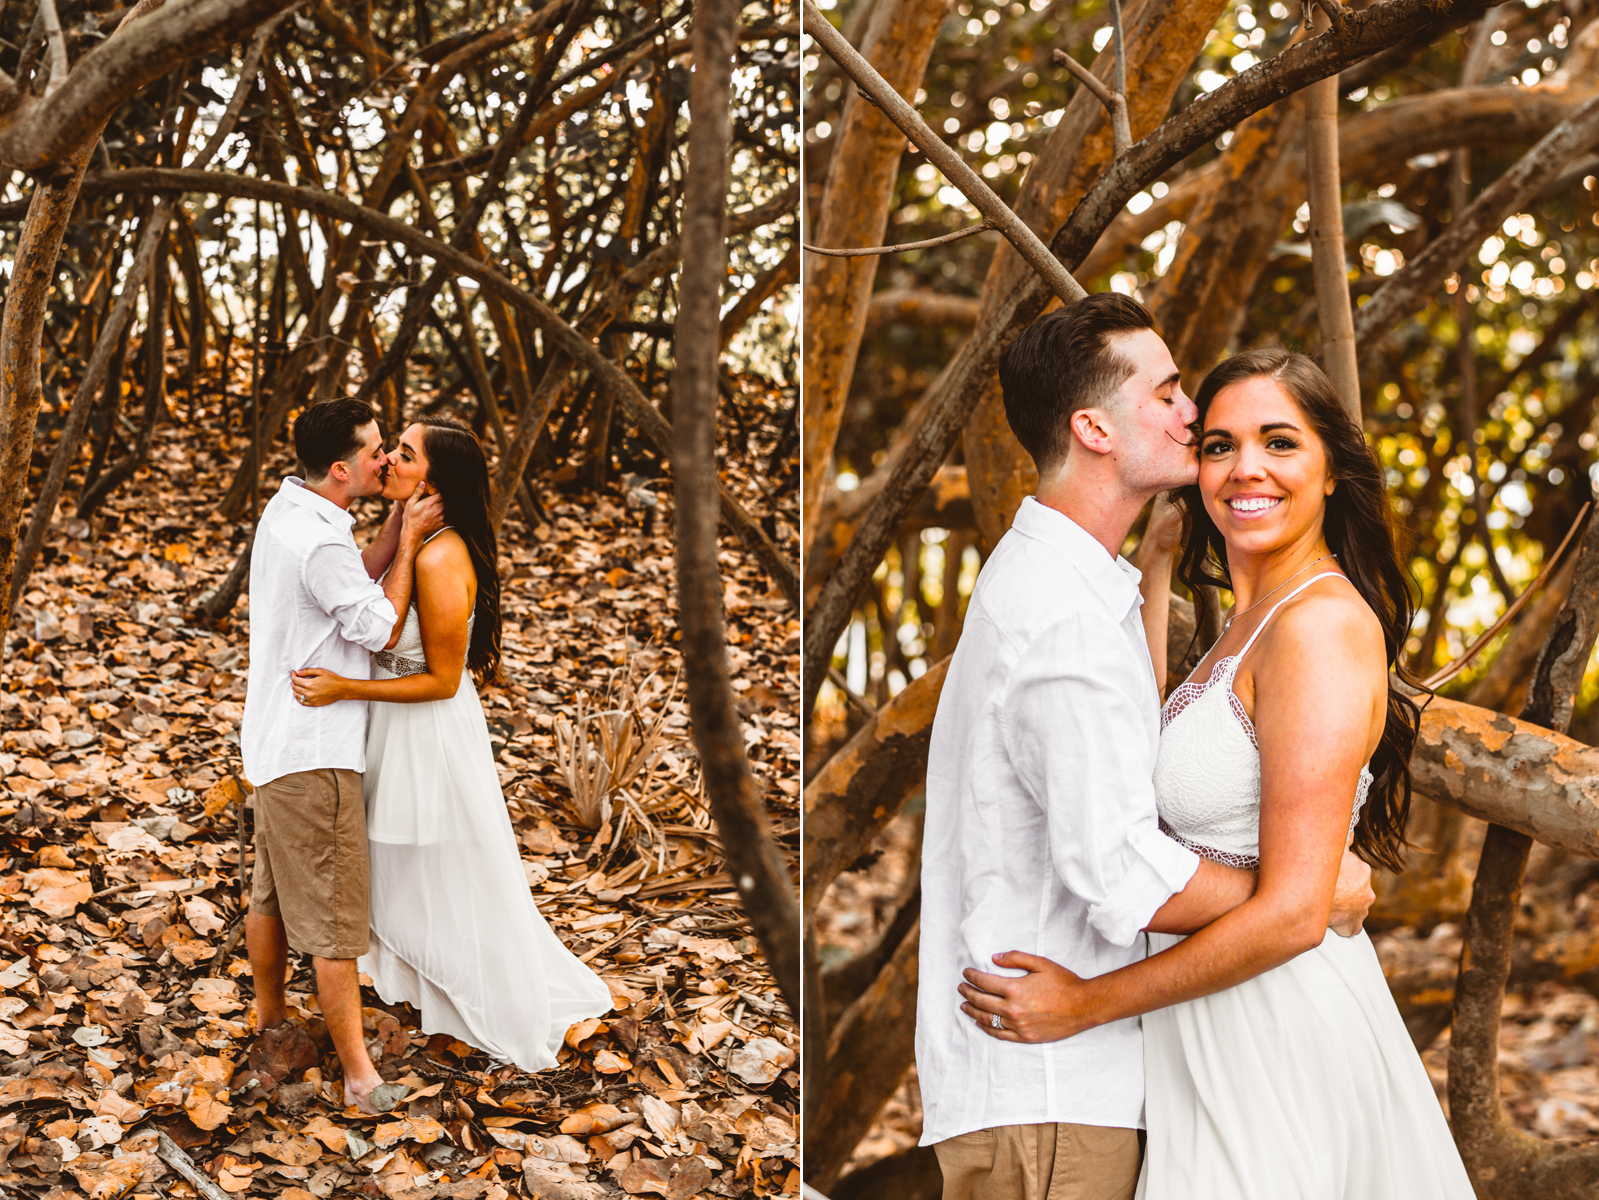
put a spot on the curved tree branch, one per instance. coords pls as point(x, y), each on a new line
point(1514, 1165)
point(1364, 33)
point(42, 134)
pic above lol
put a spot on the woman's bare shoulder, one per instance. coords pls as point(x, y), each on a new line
point(1328, 616)
point(446, 551)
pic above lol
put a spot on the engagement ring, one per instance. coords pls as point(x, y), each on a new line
point(993, 1019)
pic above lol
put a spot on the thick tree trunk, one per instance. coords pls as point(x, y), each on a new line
point(854, 212)
point(868, 1054)
point(90, 387)
point(21, 327)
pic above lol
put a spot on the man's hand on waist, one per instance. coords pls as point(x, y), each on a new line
point(1352, 897)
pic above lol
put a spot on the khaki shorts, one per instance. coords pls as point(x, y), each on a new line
point(1041, 1162)
point(311, 863)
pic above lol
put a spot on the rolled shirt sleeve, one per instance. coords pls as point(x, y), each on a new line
point(1075, 730)
point(337, 581)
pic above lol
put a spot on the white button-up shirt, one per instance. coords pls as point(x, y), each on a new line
point(1041, 830)
point(312, 604)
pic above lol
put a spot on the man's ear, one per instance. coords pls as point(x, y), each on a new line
point(1092, 428)
point(340, 471)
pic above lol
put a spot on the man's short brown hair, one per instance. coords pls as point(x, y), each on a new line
point(327, 432)
point(1062, 362)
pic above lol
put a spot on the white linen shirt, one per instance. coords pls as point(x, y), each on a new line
point(312, 604)
point(1041, 830)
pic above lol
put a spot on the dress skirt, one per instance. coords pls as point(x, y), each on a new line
point(455, 931)
point(1299, 1084)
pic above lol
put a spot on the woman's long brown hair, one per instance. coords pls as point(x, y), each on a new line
point(460, 474)
point(1359, 529)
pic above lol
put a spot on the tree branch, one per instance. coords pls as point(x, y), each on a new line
point(753, 859)
point(1513, 1164)
point(1115, 102)
point(1328, 266)
point(57, 42)
point(42, 133)
point(872, 251)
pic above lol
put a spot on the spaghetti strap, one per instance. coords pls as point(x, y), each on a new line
point(1322, 575)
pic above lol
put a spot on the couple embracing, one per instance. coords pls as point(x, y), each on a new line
point(382, 840)
point(1254, 1050)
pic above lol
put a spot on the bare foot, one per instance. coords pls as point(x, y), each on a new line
point(358, 1096)
point(375, 1097)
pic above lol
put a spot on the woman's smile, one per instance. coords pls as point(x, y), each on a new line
point(1251, 507)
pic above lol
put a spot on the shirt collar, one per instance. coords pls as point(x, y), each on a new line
point(293, 490)
point(1113, 580)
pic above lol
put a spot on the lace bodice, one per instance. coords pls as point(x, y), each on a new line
point(405, 657)
point(1207, 771)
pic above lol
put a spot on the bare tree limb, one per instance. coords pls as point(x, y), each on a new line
point(871, 251)
point(57, 42)
point(1121, 131)
point(754, 861)
point(1445, 674)
point(1088, 78)
point(1115, 102)
point(938, 152)
point(42, 134)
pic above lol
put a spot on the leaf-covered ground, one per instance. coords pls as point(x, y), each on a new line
point(125, 998)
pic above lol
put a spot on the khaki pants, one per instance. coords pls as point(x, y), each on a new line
point(311, 867)
point(1041, 1162)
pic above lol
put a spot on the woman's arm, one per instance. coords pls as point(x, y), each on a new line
point(445, 592)
point(1154, 558)
point(1317, 719)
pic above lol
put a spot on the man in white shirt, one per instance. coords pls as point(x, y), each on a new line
point(315, 602)
point(1041, 830)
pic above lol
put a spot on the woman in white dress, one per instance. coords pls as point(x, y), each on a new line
point(1276, 1063)
point(455, 932)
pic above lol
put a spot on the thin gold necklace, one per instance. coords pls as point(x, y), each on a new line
point(1228, 624)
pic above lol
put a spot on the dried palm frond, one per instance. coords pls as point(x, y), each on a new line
point(608, 750)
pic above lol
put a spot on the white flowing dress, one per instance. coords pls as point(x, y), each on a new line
point(1299, 1084)
point(455, 932)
